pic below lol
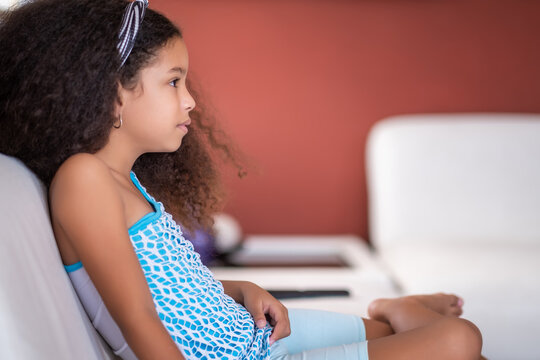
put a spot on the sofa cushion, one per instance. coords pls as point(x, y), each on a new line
point(41, 314)
point(454, 177)
point(454, 206)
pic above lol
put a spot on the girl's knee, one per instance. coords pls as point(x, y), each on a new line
point(464, 339)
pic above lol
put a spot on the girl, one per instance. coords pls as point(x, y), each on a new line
point(93, 98)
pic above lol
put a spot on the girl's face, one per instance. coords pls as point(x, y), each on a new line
point(156, 113)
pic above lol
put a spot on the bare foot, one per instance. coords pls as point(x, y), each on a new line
point(444, 304)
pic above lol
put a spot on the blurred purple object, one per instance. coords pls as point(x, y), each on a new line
point(204, 244)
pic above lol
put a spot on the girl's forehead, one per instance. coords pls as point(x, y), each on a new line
point(173, 55)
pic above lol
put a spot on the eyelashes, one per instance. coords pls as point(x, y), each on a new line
point(174, 82)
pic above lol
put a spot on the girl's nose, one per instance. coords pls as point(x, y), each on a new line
point(189, 102)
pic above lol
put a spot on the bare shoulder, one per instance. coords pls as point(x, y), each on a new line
point(82, 167)
point(81, 176)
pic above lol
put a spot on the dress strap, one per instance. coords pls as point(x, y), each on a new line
point(142, 189)
point(73, 267)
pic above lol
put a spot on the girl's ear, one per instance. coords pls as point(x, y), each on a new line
point(120, 98)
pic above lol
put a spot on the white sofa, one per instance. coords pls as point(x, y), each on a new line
point(454, 205)
point(40, 314)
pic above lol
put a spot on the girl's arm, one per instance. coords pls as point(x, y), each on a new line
point(87, 208)
point(260, 303)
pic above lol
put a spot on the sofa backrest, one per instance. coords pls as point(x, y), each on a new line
point(40, 314)
point(454, 178)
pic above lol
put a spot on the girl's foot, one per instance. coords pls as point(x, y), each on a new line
point(444, 304)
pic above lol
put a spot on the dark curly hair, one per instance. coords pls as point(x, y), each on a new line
point(59, 74)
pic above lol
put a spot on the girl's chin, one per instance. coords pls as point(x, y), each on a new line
point(171, 146)
point(169, 149)
point(173, 149)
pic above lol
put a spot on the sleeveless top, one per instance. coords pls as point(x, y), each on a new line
point(204, 322)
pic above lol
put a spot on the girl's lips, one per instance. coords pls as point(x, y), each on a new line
point(184, 125)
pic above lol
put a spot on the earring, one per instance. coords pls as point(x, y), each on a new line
point(119, 126)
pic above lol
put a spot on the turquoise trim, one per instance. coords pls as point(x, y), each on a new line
point(73, 267)
point(147, 219)
point(143, 222)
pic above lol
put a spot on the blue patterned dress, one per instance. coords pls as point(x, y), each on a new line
point(204, 322)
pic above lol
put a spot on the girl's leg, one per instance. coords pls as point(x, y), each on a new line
point(322, 335)
point(377, 329)
point(312, 329)
point(402, 316)
point(425, 326)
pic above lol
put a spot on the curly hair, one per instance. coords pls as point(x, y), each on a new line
point(59, 75)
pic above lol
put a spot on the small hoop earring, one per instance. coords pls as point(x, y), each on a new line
point(119, 126)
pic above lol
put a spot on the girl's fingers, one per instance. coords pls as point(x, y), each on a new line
point(260, 319)
point(260, 323)
point(282, 327)
point(281, 330)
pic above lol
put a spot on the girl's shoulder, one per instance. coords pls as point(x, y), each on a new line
point(81, 167)
point(81, 163)
point(81, 175)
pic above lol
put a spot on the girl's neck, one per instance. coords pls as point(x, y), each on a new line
point(117, 159)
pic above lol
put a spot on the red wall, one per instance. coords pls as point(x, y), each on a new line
point(298, 84)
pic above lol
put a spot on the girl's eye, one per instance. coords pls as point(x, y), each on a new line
point(173, 82)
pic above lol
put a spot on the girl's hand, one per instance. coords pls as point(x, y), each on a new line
point(261, 305)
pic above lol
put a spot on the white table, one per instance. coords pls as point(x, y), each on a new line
point(365, 277)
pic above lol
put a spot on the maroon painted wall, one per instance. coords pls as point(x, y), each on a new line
point(298, 84)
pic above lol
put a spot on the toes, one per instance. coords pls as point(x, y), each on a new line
point(457, 311)
point(457, 306)
point(456, 300)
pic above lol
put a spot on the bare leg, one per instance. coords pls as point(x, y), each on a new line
point(376, 327)
point(411, 312)
point(425, 327)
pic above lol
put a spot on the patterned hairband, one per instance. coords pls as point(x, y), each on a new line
point(131, 22)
